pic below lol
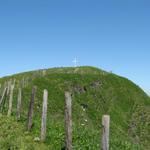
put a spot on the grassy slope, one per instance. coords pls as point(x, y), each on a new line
point(101, 92)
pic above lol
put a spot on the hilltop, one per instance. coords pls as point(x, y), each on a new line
point(94, 92)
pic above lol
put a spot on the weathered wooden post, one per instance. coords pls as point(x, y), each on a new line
point(68, 120)
point(0, 90)
point(8, 87)
point(26, 81)
point(19, 104)
point(105, 132)
point(10, 100)
point(22, 83)
point(43, 72)
point(31, 107)
point(44, 116)
point(3, 94)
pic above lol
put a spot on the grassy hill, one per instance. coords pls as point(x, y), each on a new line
point(94, 93)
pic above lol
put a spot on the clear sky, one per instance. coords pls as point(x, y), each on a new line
point(110, 34)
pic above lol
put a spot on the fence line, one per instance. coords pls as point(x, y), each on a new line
point(67, 117)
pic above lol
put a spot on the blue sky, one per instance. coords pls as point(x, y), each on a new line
point(110, 34)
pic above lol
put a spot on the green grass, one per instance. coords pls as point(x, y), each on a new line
point(100, 91)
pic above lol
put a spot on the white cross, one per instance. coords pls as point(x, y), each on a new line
point(75, 61)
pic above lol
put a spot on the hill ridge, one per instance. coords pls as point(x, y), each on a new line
point(100, 91)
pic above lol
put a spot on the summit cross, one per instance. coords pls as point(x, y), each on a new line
point(75, 61)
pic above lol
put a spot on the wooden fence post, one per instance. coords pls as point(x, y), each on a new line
point(44, 116)
point(43, 72)
point(3, 94)
point(105, 132)
point(31, 107)
point(68, 120)
point(0, 90)
point(10, 100)
point(19, 104)
point(22, 82)
point(8, 87)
